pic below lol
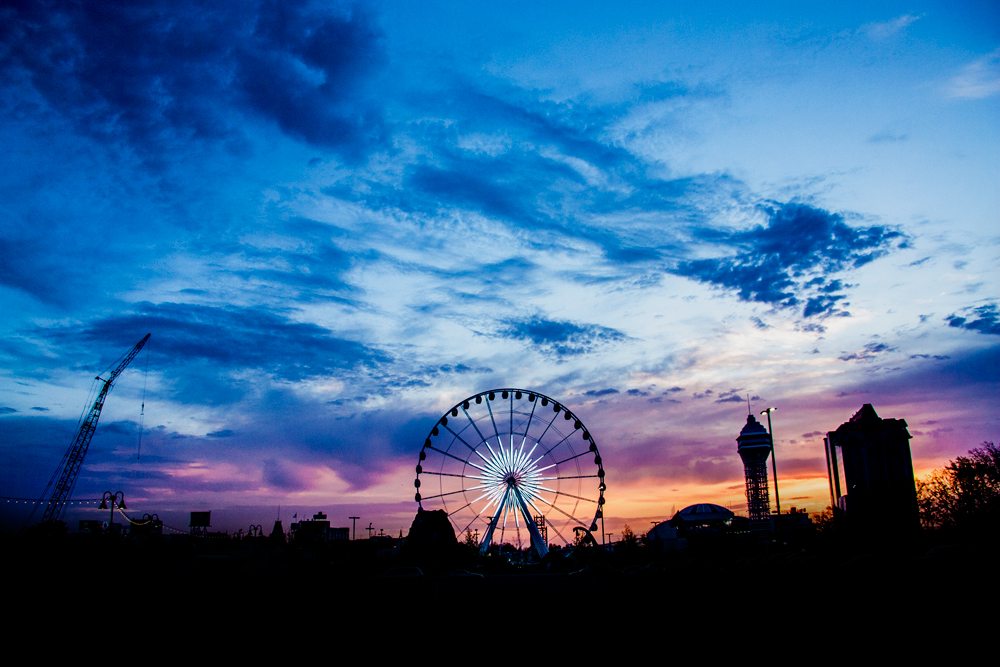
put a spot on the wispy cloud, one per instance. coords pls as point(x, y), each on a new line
point(888, 137)
point(978, 79)
point(886, 29)
point(868, 352)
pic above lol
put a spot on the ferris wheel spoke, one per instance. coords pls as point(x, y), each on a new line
point(460, 509)
point(571, 477)
point(563, 512)
point(575, 456)
point(548, 426)
point(558, 532)
point(451, 474)
point(510, 423)
point(527, 427)
point(460, 438)
point(494, 421)
point(450, 455)
point(564, 439)
point(449, 493)
point(482, 438)
point(563, 493)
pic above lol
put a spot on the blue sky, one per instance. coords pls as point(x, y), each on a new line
point(339, 220)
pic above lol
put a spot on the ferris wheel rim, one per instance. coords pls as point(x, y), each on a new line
point(508, 480)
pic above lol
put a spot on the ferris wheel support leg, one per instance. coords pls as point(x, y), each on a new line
point(484, 546)
point(541, 548)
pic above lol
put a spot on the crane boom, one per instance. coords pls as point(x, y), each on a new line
point(72, 460)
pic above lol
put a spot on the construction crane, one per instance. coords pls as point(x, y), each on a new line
point(69, 468)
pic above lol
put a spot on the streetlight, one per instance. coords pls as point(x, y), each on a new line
point(774, 463)
point(112, 501)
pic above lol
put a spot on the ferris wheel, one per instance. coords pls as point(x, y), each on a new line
point(509, 465)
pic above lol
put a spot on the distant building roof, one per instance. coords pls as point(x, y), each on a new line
point(703, 513)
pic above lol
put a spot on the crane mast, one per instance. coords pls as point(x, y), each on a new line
point(72, 460)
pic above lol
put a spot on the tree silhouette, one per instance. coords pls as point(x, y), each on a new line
point(965, 494)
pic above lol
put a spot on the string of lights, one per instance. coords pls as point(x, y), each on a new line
point(36, 501)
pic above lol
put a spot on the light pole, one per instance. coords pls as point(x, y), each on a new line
point(774, 462)
point(354, 527)
point(111, 501)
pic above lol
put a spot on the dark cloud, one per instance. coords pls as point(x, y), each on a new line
point(919, 262)
point(279, 475)
point(637, 392)
point(559, 338)
point(789, 262)
point(6, 410)
point(609, 391)
point(985, 319)
point(734, 396)
point(205, 349)
point(868, 352)
point(39, 408)
point(224, 433)
point(937, 357)
point(152, 73)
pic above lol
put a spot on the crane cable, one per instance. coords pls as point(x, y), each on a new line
point(142, 410)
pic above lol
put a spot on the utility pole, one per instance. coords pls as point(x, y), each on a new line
point(370, 529)
point(774, 463)
point(354, 527)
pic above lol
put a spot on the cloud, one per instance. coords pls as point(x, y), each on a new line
point(7, 410)
point(888, 137)
point(215, 354)
point(39, 408)
point(223, 433)
point(868, 352)
point(984, 319)
point(734, 396)
point(886, 29)
point(936, 357)
point(280, 475)
point(148, 74)
point(789, 262)
point(977, 80)
point(609, 391)
point(560, 338)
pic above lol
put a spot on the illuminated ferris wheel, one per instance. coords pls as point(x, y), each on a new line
point(510, 464)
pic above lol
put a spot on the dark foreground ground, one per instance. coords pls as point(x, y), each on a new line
point(922, 591)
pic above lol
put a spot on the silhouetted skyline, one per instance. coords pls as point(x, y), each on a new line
point(337, 221)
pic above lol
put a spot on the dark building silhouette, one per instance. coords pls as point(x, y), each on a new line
point(754, 446)
point(880, 492)
point(277, 532)
point(702, 517)
point(318, 530)
point(200, 523)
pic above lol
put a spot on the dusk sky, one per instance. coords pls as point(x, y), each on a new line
point(337, 221)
